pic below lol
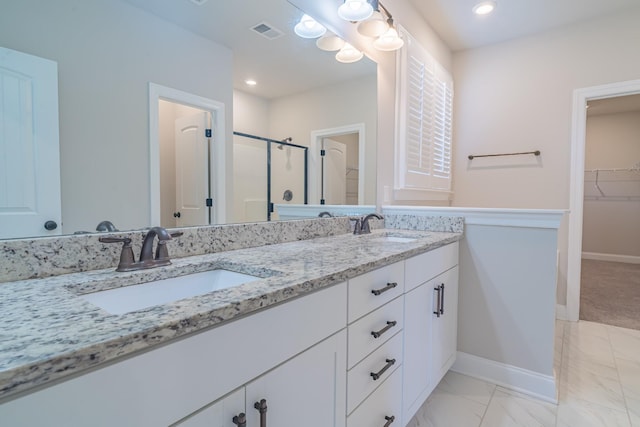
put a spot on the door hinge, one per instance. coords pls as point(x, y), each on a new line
point(207, 133)
point(323, 152)
point(209, 202)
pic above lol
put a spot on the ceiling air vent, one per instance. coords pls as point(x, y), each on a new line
point(198, 2)
point(267, 31)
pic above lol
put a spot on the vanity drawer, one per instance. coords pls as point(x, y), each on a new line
point(382, 407)
point(428, 265)
point(361, 340)
point(371, 290)
point(360, 381)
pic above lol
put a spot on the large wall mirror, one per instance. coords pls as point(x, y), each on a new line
point(109, 51)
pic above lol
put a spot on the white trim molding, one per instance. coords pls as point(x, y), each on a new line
point(532, 383)
point(218, 154)
point(528, 218)
point(629, 259)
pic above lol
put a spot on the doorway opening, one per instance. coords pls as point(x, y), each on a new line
point(577, 185)
point(337, 165)
point(194, 193)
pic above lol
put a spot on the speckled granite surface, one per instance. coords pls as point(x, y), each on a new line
point(431, 223)
point(50, 256)
point(48, 332)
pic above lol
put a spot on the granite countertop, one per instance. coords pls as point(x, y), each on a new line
point(48, 332)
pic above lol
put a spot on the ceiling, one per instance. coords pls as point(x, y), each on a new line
point(460, 29)
point(282, 66)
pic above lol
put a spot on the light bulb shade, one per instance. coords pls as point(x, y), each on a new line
point(309, 28)
point(348, 54)
point(389, 41)
point(355, 10)
point(330, 42)
point(375, 26)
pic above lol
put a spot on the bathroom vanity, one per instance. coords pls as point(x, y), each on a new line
point(334, 332)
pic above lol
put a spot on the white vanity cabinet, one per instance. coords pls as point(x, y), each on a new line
point(376, 321)
point(430, 332)
point(307, 390)
point(300, 339)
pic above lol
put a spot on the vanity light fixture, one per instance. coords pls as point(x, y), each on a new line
point(375, 26)
point(309, 28)
point(348, 54)
point(355, 10)
point(484, 8)
point(390, 40)
point(330, 42)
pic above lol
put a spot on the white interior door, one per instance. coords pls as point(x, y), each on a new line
point(29, 146)
point(334, 169)
point(192, 170)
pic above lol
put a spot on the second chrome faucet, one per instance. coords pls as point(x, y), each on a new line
point(362, 224)
point(147, 259)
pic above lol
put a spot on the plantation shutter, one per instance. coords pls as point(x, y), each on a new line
point(425, 95)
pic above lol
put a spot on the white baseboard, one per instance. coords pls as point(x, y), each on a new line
point(537, 385)
point(629, 259)
point(561, 312)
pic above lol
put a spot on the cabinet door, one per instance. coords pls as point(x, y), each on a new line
point(445, 327)
point(219, 414)
point(307, 390)
point(418, 315)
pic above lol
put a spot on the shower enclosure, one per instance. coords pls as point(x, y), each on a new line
point(267, 171)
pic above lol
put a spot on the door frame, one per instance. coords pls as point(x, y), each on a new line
point(576, 189)
point(218, 154)
point(315, 171)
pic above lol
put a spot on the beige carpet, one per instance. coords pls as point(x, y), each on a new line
point(610, 293)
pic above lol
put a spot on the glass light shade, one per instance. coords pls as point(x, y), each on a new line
point(309, 28)
point(348, 54)
point(375, 26)
point(389, 41)
point(330, 43)
point(355, 10)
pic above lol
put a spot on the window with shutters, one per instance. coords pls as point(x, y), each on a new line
point(424, 124)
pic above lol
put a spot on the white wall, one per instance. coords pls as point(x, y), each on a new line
point(517, 96)
point(611, 224)
point(104, 70)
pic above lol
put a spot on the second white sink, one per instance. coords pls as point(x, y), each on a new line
point(136, 297)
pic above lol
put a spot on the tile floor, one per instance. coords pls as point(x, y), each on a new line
point(598, 371)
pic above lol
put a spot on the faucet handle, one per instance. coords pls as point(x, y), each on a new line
point(357, 227)
point(161, 250)
point(126, 255)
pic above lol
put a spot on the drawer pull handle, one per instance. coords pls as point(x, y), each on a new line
point(391, 285)
point(377, 375)
point(442, 299)
point(438, 300)
point(383, 330)
point(240, 420)
point(262, 408)
point(390, 421)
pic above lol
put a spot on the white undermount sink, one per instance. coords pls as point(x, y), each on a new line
point(394, 239)
point(136, 297)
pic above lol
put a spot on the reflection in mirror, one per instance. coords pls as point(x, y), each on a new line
point(108, 51)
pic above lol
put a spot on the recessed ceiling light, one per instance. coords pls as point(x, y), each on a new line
point(484, 8)
point(251, 82)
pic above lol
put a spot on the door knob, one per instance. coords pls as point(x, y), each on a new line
point(50, 225)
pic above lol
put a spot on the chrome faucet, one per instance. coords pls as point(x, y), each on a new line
point(146, 260)
point(362, 224)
